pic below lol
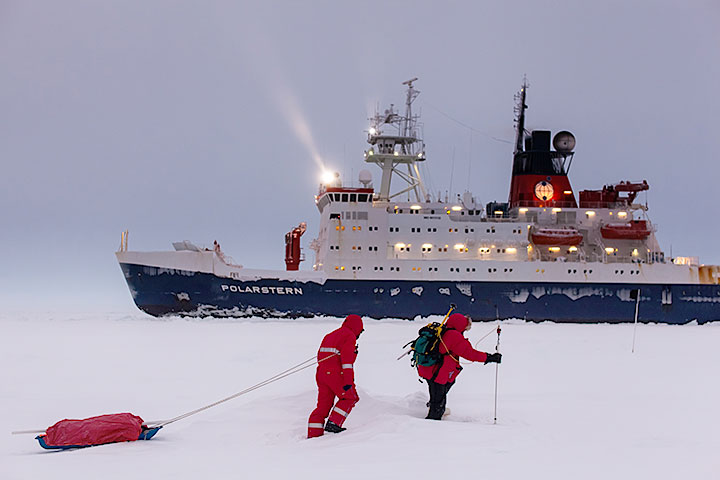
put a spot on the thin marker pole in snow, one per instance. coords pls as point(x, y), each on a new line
point(497, 366)
point(636, 293)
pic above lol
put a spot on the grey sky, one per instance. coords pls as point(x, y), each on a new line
point(200, 120)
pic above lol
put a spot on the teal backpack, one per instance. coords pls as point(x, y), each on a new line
point(426, 347)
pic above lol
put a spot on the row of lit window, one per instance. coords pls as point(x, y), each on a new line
point(486, 250)
point(450, 230)
point(416, 209)
point(433, 269)
point(591, 214)
point(355, 247)
point(426, 248)
point(557, 249)
point(355, 228)
point(460, 247)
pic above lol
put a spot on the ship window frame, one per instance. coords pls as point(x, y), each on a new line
point(353, 198)
point(345, 197)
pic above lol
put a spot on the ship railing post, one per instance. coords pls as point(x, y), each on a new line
point(635, 293)
point(123, 241)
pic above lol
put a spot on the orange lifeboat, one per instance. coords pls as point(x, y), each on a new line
point(556, 236)
point(635, 230)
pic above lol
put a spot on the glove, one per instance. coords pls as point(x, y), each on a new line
point(493, 358)
point(347, 387)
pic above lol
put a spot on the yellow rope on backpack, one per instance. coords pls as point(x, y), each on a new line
point(439, 331)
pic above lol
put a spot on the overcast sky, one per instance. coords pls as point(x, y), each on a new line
point(203, 120)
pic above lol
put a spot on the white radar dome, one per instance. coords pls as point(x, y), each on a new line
point(365, 177)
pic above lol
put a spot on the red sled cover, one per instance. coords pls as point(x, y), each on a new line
point(116, 427)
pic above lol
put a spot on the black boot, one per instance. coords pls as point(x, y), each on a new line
point(435, 413)
point(332, 428)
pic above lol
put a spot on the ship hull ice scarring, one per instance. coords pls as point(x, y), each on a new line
point(571, 302)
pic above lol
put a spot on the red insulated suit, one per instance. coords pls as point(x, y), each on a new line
point(452, 347)
point(336, 357)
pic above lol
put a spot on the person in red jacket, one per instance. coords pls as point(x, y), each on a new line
point(335, 378)
point(441, 376)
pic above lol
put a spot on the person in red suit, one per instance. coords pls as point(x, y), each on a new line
point(441, 376)
point(335, 378)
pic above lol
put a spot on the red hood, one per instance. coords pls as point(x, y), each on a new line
point(354, 323)
point(457, 321)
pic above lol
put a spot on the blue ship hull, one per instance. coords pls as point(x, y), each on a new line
point(162, 292)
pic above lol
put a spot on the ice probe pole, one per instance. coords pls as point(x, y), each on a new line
point(497, 366)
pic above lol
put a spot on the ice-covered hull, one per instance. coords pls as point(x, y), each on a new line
point(159, 292)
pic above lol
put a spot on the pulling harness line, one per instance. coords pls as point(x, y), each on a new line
point(161, 423)
point(290, 371)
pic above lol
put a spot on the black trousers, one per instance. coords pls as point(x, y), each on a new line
point(438, 398)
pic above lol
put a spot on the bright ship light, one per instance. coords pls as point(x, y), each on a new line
point(456, 208)
point(372, 131)
point(327, 177)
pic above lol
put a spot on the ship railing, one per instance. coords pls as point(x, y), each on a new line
point(555, 204)
point(623, 259)
point(610, 205)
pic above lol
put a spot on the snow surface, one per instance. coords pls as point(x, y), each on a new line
point(574, 402)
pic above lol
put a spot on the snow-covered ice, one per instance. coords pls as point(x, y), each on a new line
point(574, 402)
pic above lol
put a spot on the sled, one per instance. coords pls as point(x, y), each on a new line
point(145, 434)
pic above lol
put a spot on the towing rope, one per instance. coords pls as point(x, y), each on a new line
point(290, 371)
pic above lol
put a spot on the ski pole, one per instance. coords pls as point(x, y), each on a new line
point(497, 366)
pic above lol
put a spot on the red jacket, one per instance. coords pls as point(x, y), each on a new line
point(340, 346)
point(452, 347)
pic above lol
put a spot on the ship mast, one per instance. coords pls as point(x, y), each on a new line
point(390, 152)
point(520, 120)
